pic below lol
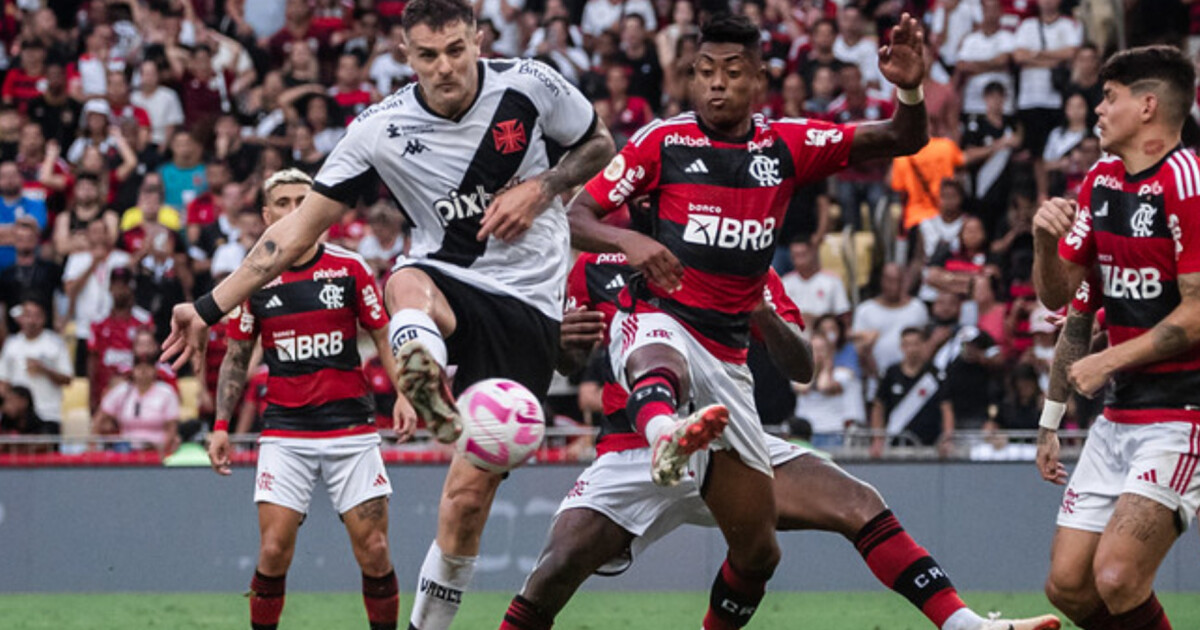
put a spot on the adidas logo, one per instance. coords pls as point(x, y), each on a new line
point(1150, 476)
point(380, 480)
point(617, 282)
point(696, 167)
point(274, 302)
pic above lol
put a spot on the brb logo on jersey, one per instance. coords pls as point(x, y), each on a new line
point(1143, 283)
point(331, 295)
point(305, 347)
point(727, 233)
point(1142, 221)
point(765, 170)
point(509, 136)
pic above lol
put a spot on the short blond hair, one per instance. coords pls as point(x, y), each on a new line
point(282, 177)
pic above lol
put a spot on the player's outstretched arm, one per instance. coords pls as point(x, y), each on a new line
point(787, 347)
point(590, 234)
point(279, 247)
point(231, 379)
point(903, 63)
point(1073, 344)
point(1178, 332)
point(1054, 279)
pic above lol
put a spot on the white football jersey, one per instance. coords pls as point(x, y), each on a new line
point(445, 172)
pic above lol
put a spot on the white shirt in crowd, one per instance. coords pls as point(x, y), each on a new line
point(389, 73)
point(828, 413)
point(955, 26)
point(865, 55)
point(889, 322)
point(94, 302)
point(163, 108)
point(227, 257)
point(1037, 89)
point(979, 47)
point(1060, 142)
point(509, 42)
point(601, 15)
point(49, 349)
point(822, 294)
point(370, 248)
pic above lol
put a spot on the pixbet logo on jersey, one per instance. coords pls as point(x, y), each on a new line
point(314, 346)
point(727, 233)
point(463, 205)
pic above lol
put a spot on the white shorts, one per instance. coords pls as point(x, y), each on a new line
point(713, 382)
point(352, 467)
point(1157, 461)
point(618, 485)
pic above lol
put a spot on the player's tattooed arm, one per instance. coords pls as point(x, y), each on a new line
point(232, 377)
point(580, 163)
point(904, 134)
point(1073, 344)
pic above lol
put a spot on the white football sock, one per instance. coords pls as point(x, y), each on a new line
point(440, 588)
point(659, 426)
point(963, 619)
point(409, 324)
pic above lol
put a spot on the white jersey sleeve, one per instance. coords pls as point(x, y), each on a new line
point(351, 162)
point(567, 116)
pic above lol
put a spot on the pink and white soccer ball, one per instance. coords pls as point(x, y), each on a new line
point(503, 424)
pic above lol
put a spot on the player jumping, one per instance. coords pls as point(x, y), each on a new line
point(464, 151)
point(615, 510)
point(1135, 489)
point(319, 422)
point(719, 181)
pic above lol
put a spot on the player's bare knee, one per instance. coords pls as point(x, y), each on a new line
point(274, 556)
point(863, 503)
point(659, 357)
point(465, 510)
point(1121, 585)
point(409, 288)
point(759, 557)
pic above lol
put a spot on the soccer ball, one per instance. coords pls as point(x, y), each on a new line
point(502, 424)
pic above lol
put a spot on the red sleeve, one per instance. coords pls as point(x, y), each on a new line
point(193, 211)
point(631, 172)
point(369, 303)
point(1087, 296)
point(777, 297)
point(7, 90)
point(1079, 245)
point(577, 293)
point(94, 341)
point(819, 149)
point(247, 325)
point(1184, 222)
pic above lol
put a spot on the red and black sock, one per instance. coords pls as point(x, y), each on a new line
point(523, 614)
point(266, 600)
point(381, 596)
point(652, 395)
point(1149, 615)
point(735, 596)
point(905, 567)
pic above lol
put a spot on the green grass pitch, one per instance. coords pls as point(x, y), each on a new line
point(482, 611)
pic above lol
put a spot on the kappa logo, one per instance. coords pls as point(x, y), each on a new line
point(696, 167)
point(822, 137)
point(274, 302)
point(617, 283)
point(765, 170)
point(509, 136)
point(1142, 221)
point(414, 147)
point(331, 295)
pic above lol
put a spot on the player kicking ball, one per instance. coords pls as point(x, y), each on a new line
point(615, 510)
point(719, 181)
point(319, 422)
point(464, 152)
point(1135, 488)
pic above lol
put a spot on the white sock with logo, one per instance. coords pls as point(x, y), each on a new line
point(963, 619)
point(440, 588)
point(409, 324)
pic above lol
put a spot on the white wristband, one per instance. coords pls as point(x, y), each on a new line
point(915, 96)
point(1052, 415)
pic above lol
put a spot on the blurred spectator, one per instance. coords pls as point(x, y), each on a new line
point(666, 42)
point(844, 353)
point(96, 131)
point(1041, 354)
point(297, 31)
point(205, 208)
point(149, 207)
point(55, 110)
point(206, 94)
point(919, 178)
point(1022, 407)
point(27, 80)
point(30, 277)
point(1062, 140)
point(793, 98)
point(621, 112)
point(504, 16)
point(386, 239)
point(368, 37)
point(18, 416)
point(832, 402)
point(864, 182)
point(989, 142)
point(351, 93)
point(1085, 79)
point(603, 15)
point(817, 292)
point(646, 76)
point(957, 265)
point(1014, 250)
point(325, 129)
point(820, 53)
point(854, 46)
point(985, 57)
point(991, 313)
point(124, 111)
point(941, 232)
point(227, 257)
point(93, 65)
point(910, 399)
point(878, 322)
point(950, 23)
point(183, 176)
point(1045, 46)
point(205, 240)
point(86, 281)
point(37, 359)
point(144, 411)
point(561, 46)
point(965, 362)
point(943, 104)
point(163, 276)
point(231, 149)
point(390, 71)
point(15, 204)
point(350, 230)
point(824, 90)
point(70, 227)
point(110, 349)
point(161, 104)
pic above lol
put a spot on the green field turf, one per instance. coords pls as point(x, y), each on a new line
point(482, 611)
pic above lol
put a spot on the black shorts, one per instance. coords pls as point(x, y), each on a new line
point(1037, 124)
point(497, 336)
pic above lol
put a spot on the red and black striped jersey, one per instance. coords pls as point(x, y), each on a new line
point(308, 318)
point(1141, 232)
point(595, 282)
point(718, 207)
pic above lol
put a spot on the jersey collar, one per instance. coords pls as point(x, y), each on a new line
point(720, 137)
point(1147, 172)
point(311, 261)
point(481, 68)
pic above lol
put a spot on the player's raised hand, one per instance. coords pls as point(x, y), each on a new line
point(581, 329)
point(1089, 374)
point(512, 212)
point(218, 452)
point(189, 336)
point(654, 260)
point(902, 60)
point(404, 418)
point(1049, 466)
point(1054, 219)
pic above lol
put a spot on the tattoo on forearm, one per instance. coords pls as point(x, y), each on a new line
point(264, 259)
point(1073, 345)
point(374, 510)
point(232, 377)
point(579, 165)
point(1170, 339)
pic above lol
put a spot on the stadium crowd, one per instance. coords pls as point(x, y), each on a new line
point(135, 136)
